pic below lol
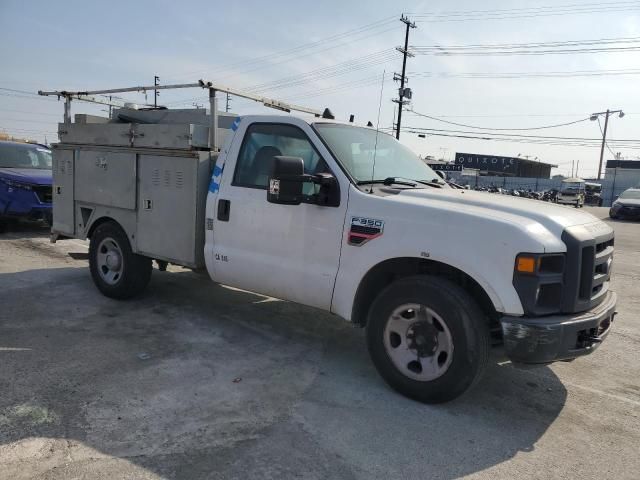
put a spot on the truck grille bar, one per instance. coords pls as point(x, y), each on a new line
point(588, 270)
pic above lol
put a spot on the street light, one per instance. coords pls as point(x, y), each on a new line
point(594, 117)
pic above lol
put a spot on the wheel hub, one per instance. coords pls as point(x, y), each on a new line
point(418, 342)
point(423, 338)
point(113, 260)
point(109, 261)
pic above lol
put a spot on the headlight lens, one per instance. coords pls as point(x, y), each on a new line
point(538, 279)
point(14, 184)
point(539, 263)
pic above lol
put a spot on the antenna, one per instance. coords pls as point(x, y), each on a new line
point(375, 148)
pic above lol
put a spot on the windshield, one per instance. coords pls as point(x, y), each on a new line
point(354, 148)
point(24, 156)
point(572, 186)
point(631, 194)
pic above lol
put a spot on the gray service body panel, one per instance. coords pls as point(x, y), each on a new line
point(150, 178)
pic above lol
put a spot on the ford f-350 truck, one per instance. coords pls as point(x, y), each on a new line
point(346, 219)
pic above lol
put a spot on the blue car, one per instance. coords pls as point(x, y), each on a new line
point(25, 182)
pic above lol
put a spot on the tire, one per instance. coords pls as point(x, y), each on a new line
point(116, 270)
point(461, 331)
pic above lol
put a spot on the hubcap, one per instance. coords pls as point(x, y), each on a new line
point(109, 260)
point(418, 342)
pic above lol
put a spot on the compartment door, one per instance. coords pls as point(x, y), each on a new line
point(106, 178)
point(63, 209)
point(167, 219)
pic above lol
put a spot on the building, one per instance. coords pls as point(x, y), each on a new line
point(623, 170)
point(496, 165)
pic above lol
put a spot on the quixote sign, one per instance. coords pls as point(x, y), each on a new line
point(490, 163)
point(446, 167)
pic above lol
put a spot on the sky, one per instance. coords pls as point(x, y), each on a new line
point(341, 55)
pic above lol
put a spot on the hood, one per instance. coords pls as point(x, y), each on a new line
point(630, 202)
point(35, 176)
point(555, 218)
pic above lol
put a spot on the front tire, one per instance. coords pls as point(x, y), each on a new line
point(428, 338)
point(116, 270)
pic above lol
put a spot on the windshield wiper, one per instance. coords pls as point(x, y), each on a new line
point(409, 182)
point(389, 181)
point(432, 183)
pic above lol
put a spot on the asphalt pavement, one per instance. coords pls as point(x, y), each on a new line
point(200, 381)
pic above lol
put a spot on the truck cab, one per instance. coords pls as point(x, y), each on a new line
point(346, 219)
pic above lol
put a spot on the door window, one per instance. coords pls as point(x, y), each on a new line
point(263, 142)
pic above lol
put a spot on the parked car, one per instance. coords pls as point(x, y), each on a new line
point(25, 182)
point(627, 205)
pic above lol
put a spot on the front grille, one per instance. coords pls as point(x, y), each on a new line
point(588, 268)
point(629, 211)
point(44, 193)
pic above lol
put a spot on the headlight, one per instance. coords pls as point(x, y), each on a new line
point(538, 279)
point(14, 184)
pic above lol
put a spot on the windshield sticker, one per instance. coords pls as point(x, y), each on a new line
point(363, 230)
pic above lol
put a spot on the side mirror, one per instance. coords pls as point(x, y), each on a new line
point(441, 174)
point(285, 181)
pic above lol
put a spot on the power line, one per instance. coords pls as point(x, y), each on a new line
point(541, 137)
point(507, 14)
point(512, 140)
point(490, 128)
point(347, 66)
point(520, 75)
point(296, 52)
point(555, 43)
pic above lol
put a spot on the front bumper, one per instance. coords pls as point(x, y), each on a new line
point(34, 204)
point(625, 212)
point(558, 337)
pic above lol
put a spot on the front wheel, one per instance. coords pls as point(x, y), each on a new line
point(428, 338)
point(116, 270)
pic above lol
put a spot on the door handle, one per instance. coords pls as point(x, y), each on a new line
point(224, 208)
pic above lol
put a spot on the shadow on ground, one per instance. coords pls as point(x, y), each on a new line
point(196, 380)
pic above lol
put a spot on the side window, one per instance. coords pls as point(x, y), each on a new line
point(262, 142)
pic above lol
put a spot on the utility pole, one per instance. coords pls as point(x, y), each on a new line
point(228, 103)
point(596, 116)
point(156, 82)
point(402, 92)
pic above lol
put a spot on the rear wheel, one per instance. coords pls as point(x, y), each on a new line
point(116, 270)
point(428, 338)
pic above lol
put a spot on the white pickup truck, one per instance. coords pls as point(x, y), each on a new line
point(347, 219)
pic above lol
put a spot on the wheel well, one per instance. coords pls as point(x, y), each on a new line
point(388, 271)
point(99, 222)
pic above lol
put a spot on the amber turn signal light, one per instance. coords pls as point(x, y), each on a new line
point(526, 264)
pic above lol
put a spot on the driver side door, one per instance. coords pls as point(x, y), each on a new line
point(286, 251)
